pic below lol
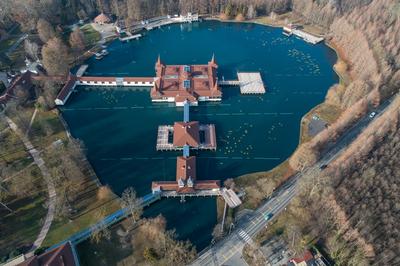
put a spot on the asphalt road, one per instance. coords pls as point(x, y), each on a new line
point(248, 226)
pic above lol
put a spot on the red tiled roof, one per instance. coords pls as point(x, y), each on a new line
point(198, 185)
point(306, 257)
point(207, 184)
point(186, 134)
point(24, 80)
point(102, 18)
point(66, 90)
point(171, 78)
point(113, 79)
point(61, 256)
point(185, 168)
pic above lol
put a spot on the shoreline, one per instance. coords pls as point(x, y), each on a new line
point(340, 58)
point(302, 124)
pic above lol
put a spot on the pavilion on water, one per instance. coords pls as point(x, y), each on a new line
point(180, 83)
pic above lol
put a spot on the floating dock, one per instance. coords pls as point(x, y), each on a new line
point(293, 30)
point(163, 143)
point(307, 37)
point(251, 83)
point(130, 37)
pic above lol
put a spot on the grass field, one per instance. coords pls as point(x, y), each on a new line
point(46, 129)
point(88, 207)
point(21, 227)
point(91, 35)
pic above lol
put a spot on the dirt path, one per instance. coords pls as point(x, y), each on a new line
point(50, 185)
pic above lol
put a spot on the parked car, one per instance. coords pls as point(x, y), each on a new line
point(322, 167)
point(372, 115)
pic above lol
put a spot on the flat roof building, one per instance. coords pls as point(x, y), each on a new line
point(180, 83)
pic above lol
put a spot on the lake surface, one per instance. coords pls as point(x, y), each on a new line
point(254, 133)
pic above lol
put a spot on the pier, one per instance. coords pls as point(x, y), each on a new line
point(130, 37)
point(81, 71)
point(157, 22)
point(249, 83)
point(294, 30)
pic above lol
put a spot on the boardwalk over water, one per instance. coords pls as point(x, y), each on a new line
point(249, 83)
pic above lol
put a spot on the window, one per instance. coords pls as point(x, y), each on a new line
point(186, 84)
point(186, 68)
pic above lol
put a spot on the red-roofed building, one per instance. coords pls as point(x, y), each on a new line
point(66, 91)
point(102, 19)
point(307, 260)
point(64, 255)
point(180, 83)
point(186, 134)
point(186, 179)
point(186, 171)
point(25, 81)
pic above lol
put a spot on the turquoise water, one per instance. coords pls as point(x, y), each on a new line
point(254, 133)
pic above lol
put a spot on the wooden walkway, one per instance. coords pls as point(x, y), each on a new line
point(249, 83)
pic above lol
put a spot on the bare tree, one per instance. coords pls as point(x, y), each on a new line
point(45, 30)
point(56, 57)
point(77, 40)
point(100, 229)
point(32, 49)
point(133, 204)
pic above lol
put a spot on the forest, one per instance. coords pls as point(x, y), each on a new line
point(351, 209)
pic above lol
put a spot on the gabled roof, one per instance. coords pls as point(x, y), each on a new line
point(186, 134)
point(185, 168)
point(24, 81)
point(186, 82)
point(102, 18)
point(63, 255)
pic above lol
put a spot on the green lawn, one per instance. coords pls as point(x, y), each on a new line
point(46, 121)
point(19, 229)
point(91, 35)
point(88, 206)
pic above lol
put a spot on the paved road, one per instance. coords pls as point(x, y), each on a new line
point(49, 181)
point(248, 226)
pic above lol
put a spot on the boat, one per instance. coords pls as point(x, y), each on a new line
point(99, 56)
point(104, 52)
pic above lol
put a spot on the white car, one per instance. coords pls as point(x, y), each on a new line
point(371, 115)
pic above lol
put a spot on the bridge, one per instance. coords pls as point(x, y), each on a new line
point(106, 222)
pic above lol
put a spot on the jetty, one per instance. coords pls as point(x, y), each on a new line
point(249, 83)
point(294, 30)
point(81, 71)
point(156, 22)
point(130, 37)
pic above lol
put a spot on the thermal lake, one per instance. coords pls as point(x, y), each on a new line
point(254, 133)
